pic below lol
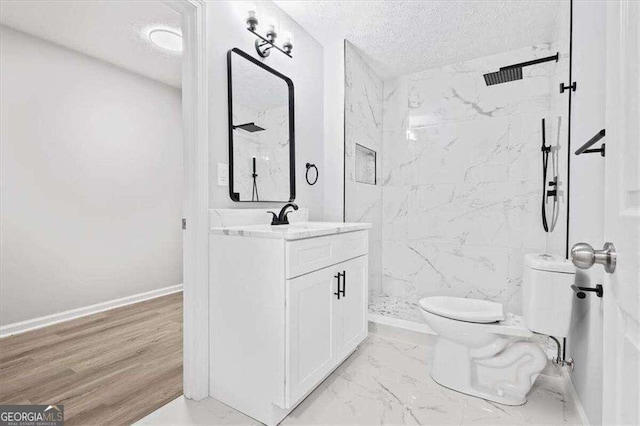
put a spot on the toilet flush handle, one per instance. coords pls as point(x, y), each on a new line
point(580, 291)
point(584, 256)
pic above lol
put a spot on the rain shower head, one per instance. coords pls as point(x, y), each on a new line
point(249, 127)
point(503, 76)
point(514, 72)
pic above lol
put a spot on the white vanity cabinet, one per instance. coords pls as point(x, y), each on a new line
point(287, 306)
point(322, 329)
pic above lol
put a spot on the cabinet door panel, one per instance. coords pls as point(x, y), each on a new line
point(351, 316)
point(310, 341)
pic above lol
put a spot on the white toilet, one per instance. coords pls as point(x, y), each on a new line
point(485, 352)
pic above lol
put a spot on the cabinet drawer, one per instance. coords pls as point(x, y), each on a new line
point(304, 256)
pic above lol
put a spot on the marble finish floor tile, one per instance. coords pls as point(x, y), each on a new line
point(386, 382)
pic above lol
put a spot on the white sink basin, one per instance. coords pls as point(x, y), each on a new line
point(294, 231)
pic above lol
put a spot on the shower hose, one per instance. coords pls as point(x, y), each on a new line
point(546, 150)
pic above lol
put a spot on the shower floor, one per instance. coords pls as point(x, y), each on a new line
point(396, 307)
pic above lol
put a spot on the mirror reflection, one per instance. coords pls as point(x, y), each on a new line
point(261, 131)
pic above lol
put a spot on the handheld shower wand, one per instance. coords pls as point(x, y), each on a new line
point(546, 151)
point(254, 175)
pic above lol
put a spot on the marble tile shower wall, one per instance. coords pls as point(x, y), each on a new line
point(363, 126)
point(461, 180)
point(270, 147)
point(558, 130)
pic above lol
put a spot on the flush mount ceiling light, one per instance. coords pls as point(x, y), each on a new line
point(166, 38)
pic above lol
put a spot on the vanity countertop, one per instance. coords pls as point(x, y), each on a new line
point(294, 231)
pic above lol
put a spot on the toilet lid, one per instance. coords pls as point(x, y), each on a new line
point(464, 309)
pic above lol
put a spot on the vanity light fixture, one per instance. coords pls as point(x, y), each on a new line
point(265, 43)
point(271, 33)
point(287, 44)
point(252, 21)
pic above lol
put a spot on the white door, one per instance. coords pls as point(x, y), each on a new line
point(310, 352)
point(621, 352)
point(351, 308)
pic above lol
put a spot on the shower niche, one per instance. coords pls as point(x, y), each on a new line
point(261, 131)
point(365, 165)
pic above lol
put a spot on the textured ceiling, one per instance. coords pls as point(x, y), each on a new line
point(402, 37)
point(108, 30)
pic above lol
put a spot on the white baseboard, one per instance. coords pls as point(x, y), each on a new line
point(32, 324)
point(400, 323)
point(577, 404)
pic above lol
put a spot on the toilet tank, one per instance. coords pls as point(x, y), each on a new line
point(547, 297)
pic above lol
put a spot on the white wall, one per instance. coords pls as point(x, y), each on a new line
point(91, 172)
point(334, 130)
point(587, 197)
point(227, 29)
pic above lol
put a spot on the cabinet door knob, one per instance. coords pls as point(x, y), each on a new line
point(344, 283)
point(337, 293)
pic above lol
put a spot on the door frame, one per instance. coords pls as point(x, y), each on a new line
point(620, 329)
point(196, 199)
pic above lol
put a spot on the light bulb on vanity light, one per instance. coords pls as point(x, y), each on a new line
point(252, 21)
point(271, 30)
point(287, 43)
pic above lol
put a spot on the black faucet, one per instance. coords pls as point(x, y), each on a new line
point(282, 219)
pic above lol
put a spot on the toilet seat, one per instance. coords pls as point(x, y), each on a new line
point(464, 309)
point(441, 310)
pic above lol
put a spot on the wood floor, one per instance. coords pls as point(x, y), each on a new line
point(111, 368)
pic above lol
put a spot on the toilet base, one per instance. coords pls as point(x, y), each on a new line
point(486, 394)
point(502, 369)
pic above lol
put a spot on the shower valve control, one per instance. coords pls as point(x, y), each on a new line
point(553, 192)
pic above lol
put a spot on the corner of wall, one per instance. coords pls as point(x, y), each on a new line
point(334, 130)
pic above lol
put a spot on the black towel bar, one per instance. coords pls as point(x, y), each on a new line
point(584, 149)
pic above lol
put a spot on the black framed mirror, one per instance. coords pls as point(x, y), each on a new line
point(261, 131)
